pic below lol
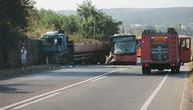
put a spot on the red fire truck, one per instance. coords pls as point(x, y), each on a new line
point(164, 50)
point(123, 49)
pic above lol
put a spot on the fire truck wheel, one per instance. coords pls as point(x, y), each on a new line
point(146, 70)
point(173, 70)
point(177, 69)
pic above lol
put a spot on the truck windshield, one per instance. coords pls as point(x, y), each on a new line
point(125, 47)
point(53, 39)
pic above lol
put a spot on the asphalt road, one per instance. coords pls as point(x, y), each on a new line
point(96, 87)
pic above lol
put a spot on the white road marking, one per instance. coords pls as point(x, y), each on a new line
point(183, 93)
point(151, 97)
point(98, 78)
point(35, 101)
point(123, 69)
point(56, 91)
point(102, 77)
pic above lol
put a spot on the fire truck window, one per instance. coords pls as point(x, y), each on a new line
point(188, 43)
point(185, 44)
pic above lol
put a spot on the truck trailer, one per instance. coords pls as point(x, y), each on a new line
point(164, 50)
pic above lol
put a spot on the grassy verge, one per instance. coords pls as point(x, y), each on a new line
point(191, 88)
point(191, 77)
point(191, 74)
point(191, 66)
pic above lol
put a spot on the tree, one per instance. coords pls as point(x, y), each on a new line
point(95, 23)
point(106, 26)
point(13, 22)
point(16, 18)
point(88, 23)
point(72, 24)
point(86, 9)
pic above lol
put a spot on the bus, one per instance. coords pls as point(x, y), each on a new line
point(123, 49)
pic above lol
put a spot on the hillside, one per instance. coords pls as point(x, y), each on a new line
point(145, 16)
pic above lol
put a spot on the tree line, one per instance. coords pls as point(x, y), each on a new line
point(88, 23)
point(19, 19)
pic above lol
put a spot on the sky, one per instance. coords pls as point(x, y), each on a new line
point(106, 4)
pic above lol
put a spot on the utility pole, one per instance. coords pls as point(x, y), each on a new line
point(94, 27)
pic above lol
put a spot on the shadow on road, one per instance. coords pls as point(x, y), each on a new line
point(59, 72)
point(114, 74)
point(11, 88)
point(154, 73)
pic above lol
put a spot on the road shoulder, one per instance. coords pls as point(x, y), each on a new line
point(190, 88)
point(17, 72)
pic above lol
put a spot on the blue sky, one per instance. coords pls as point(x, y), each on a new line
point(105, 4)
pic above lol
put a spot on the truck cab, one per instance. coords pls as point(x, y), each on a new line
point(53, 42)
point(54, 47)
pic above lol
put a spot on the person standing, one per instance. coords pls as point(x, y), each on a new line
point(23, 57)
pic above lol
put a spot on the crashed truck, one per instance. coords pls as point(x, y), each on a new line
point(56, 48)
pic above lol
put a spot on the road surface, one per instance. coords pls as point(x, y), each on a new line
point(96, 87)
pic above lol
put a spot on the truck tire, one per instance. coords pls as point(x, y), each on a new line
point(102, 59)
point(146, 70)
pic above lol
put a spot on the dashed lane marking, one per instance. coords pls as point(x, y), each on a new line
point(151, 97)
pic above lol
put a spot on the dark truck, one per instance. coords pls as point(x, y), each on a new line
point(57, 48)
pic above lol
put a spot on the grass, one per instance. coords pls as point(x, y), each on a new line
point(191, 66)
point(191, 74)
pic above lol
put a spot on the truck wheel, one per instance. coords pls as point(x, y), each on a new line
point(102, 60)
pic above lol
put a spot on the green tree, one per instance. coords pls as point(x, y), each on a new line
point(72, 24)
point(95, 23)
point(105, 25)
point(13, 22)
point(86, 9)
point(88, 23)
